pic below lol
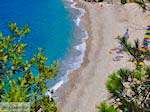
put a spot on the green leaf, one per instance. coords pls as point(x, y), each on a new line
point(114, 84)
point(103, 107)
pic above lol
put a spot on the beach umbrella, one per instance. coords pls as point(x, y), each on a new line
point(147, 31)
point(148, 28)
point(146, 41)
point(147, 36)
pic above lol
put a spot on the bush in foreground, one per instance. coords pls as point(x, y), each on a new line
point(129, 89)
point(18, 81)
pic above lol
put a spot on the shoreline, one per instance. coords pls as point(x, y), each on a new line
point(72, 77)
point(74, 5)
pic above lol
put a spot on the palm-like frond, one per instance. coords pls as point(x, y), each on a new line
point(114, 84)
point(124, 74)
point(47, 104)
point(130, 49)
point(103, 107)
point(137, 43)
point(147, 55)
point(147, 72)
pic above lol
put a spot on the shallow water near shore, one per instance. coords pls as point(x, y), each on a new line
point(75, 56)
point(54, 26)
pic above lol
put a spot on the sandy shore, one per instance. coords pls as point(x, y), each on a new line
point(86, 86)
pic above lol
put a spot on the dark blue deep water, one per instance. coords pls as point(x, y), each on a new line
point(52, 24)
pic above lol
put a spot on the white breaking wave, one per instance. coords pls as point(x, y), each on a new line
point(81, 47)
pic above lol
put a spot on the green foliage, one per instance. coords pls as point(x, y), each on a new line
point(137, 75)
point(18, 83)
point(130, 90)
point(15, 30)
point(103, 107)
point(132, 50)
point(137, 54)
point(47, 105)
point(16, 94)
point(124, 74)
point(114, 84)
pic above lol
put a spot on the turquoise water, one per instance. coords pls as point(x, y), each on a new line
point(52, 24)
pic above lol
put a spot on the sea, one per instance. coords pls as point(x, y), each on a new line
point(55, 26)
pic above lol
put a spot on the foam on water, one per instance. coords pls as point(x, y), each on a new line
point(77, 61)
